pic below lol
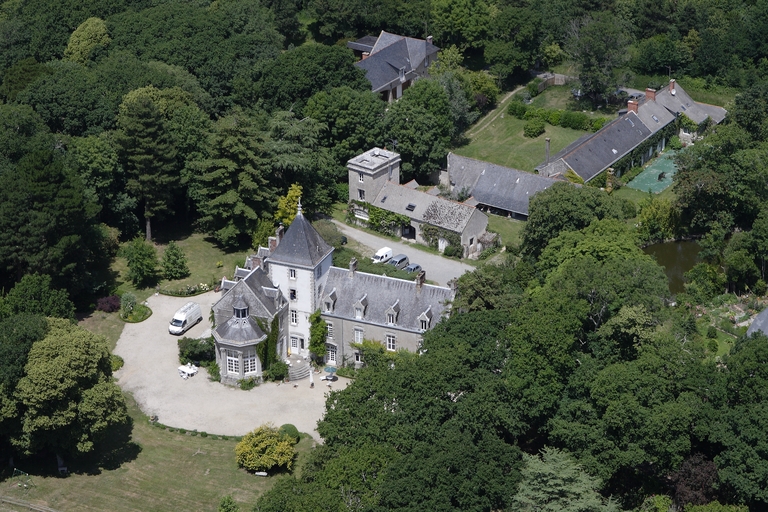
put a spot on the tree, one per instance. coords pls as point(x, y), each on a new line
point(67, 395)
point(318, 330)
point(19, 76)
point(264, 449)
point(598, 43)
point(288, 205)
point(657, 220)
point(234, 189)
point(92, 34)
point(553, 481)
point(462, 23)
point(142, 262)
point(174, 262)
point(148, 155)
point(21, 132)
point(34, 295)
point(513, 41)
point(228, 504)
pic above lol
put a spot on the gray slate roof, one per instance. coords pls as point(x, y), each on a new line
point(382, 293)
point(682, 103)
point(437, 211)
point(759, 324)
point(301, 245)
point(364, 44)
point(264, 300)
point(494, 185)
point(389, 55)
point(239, 331)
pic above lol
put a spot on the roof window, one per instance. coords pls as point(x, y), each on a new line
point(410, 207)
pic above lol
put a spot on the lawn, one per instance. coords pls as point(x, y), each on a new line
point(510, 230)
point(502, 142)
point(164, 471)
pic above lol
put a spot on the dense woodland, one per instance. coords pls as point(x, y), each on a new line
point(563, 380)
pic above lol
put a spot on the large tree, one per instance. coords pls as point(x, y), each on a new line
point(148, 154)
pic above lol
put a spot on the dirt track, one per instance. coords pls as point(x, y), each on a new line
point(151, 375)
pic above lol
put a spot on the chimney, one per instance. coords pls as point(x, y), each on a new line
point(365, 55)
point(454, 285)
point(272, 243)
point(546, 141)
point(672, 86)
point(352, 266)
point(632, 106)
point(429, 39)
point(420, 277)
point(650, 94)
point(280, 231)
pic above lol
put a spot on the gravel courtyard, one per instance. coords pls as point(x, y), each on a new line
point(151, 375)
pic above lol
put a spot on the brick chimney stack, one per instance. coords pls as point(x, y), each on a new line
point(672, 86)
point(420, 277)
point(352, 266)
point(632, 106)
point(650, 94)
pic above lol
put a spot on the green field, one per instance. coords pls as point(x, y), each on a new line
point(160, 470)
point(510, 230)
point(502, 142)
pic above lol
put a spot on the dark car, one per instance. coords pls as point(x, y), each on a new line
point(413, 267)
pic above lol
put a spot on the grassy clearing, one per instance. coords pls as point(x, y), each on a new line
point(503, 143)
point(559, 97)
point(171, 471)
point(108, 325)
point(510, 230)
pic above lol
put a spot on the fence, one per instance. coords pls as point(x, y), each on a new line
point(550, 79)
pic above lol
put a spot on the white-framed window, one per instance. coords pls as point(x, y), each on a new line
point(391, 342)
point(330, 353)
point(424, 325)
point(295, 342)
point(390, 318)
point(293, 294)
point(294, 317)
point(358, 357)
point(329, 328)
point(360, 177)
point(361, 194)
point(358, 335)
point(358, 313)
point(233, 362)
point(292, 273)
point(327, 306)
point(249, 362)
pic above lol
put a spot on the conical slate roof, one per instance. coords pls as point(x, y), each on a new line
point(301, 245)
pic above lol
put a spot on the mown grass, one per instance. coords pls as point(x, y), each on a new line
point(165, 471)
point(510, 230)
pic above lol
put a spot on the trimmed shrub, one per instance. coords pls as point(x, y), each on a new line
point(554, 116)
point(675, 143)
point(196, 350)
point(182, 431)
point(452, 251)
point(517, 109)
point(533, 128)
point(108, 304)
point(291, 431)
point(116, 362)
point(278, 370)
point(536, 113)
point(712, 346)
point(203, 434)
point(575, 120)
point(247, 384)
point(265, 448)
point(174, 263)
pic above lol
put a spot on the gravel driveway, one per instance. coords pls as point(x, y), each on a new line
point(151, 375)
point(438, 269)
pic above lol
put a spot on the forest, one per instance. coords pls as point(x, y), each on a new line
point(565, 378)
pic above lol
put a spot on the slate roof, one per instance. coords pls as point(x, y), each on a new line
point(301, 245)
point(494, 185)
point(437, 211)
point(389, 55)
point(364, 44)
point(264, 300)
point(382, 293)
point(239, 331)
point(682, 103)
point(759, 324)
point(612, 142)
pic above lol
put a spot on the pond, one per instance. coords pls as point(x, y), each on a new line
point(677, 258)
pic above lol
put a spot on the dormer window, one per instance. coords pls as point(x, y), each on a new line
point(292, 273)
point(425, 319)
point(424, 325)
point(359, 313)
point(402, 74)
point(330, 301)
point(360, 306)
point(328, 307)
point(390, 318)
point(241, 312)
point(392, 313)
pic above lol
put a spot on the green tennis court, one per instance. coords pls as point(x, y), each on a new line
point(657, 176)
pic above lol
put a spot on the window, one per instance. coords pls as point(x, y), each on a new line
point(358, 335)
point(472, 241)
point(292, 273)
point(294, 317)
point(233, 362)
point(358, 313)
point(330, 353)
point(358, 357)
point(294, 294)
point(329, 329)
point(249, 362)
point(327, 306)
point(360, 177)
point(361, 194)
point(424, 325)
point(390, 318)
point(410, 207)
point(295, 342)
point(391, 342)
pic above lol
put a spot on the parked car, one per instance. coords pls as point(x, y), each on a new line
point(382, 255)
point(399, 262)
point(413, 268)
point(187, 316)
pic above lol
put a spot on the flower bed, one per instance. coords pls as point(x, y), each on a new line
point(187, 291)
point(139, 313)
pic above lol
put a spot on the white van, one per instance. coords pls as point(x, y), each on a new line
point(382, 255)
point(187, 316)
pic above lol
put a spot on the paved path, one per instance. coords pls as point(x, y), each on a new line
point(438, 269)
point(151, 374)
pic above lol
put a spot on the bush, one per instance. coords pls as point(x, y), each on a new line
point(247, 384)
point(598, 123)
point(265, 448)
point(329, 232)
point(554, 116)
point(342, 192)
point(712, 345)
point(142, 262)
point(174, 263)
point(533, 87)
point(227, 504)
point(182, 431)
point(290, 431)
point(760, 288)
point(575, 120)
point(533, 128)
point(536, 113)
point(278, 370)
point(108, 304)
point(127, 304)
point(196, 350)
point(203, 434)
point(452, 251)
point(214, 372)
point(711, 332)
point(517, 109)
point(675, 143)
point(116, 362)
